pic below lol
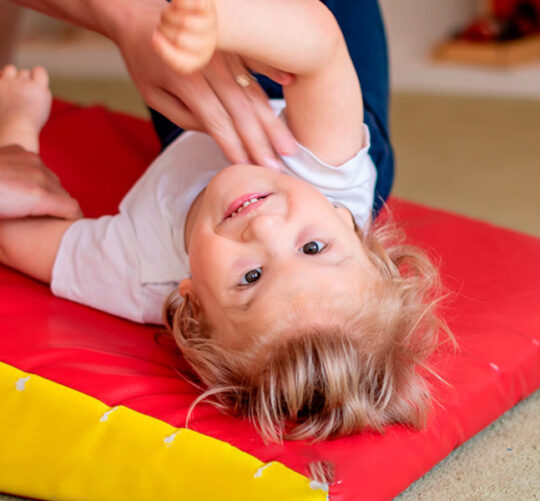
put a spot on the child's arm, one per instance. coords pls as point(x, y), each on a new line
point(324, 104)
point(30, 245)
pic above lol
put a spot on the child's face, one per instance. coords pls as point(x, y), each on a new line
point(291, 251)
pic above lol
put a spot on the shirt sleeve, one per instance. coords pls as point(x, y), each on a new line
point(351, 184)
point(97, 265)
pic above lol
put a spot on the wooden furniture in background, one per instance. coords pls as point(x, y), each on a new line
point(506, 34)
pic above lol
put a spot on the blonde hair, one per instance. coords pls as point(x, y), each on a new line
point(363, 372)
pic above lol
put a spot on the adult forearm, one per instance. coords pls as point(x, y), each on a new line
point(297, 36)
point(102, 16)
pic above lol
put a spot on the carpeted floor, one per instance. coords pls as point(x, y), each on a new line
point(475, 156)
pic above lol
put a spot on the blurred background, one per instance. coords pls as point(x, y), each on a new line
point(465, 122)
point(465, 111)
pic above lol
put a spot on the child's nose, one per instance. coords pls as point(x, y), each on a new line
point(264, 227)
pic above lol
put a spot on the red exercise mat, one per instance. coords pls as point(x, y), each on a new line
point(493, 273)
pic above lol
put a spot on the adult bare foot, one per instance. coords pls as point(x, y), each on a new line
point(25, 104)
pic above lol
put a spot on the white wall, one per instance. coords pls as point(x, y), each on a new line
point(414, 27)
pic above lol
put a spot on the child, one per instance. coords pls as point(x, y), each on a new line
point(292, 311)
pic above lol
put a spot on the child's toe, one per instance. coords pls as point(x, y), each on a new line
point(39, 75)
point(24, 74)
point(9, 71)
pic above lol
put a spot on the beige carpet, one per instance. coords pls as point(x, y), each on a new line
point(479, 157)
point(475, 156)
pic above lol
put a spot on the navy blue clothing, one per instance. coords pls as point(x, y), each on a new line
point(362, 26)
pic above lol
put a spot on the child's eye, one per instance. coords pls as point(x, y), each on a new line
point(251, 276)
point(313, 247)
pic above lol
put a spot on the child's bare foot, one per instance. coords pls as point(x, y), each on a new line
point(186, 36)
point(25, 104)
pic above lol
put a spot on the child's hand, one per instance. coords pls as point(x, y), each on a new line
point(187, 34)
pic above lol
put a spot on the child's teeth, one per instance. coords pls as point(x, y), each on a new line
point(243, 206)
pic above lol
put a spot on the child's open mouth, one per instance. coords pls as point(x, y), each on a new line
point(245, 203)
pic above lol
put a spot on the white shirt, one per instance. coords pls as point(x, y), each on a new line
point(129, 263)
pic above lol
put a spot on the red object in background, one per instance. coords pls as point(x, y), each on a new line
point(511, 20)
point(493, 273)
point(504, 8)
point(482, 29)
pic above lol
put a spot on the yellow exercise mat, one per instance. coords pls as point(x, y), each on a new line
point(59, 444)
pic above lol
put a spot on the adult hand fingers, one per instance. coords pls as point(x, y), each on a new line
point(240, 108)
point(24, 168)
point(275, 130)
point(205, 112)
point(243, 115)
point(174, 109)
point(209, 110)
point(208, 113)
point(33, 170)
point(53, 203)
point(29, 188)
point(48, 196)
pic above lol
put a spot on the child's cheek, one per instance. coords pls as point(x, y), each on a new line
point(204, 256)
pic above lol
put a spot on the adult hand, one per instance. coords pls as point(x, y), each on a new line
point(28, 188)
point(211, 100)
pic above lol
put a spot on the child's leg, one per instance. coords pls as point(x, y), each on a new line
point(25, 104)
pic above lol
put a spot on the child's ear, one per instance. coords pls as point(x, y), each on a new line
point(185, 287)
point(346, 216)
point(191, 311)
